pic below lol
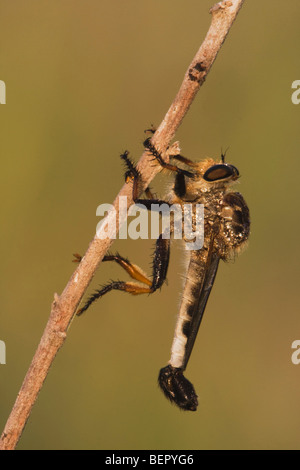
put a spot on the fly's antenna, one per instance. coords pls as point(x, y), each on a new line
point(223, 154)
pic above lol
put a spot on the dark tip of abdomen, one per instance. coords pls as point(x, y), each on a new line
point(177, 388)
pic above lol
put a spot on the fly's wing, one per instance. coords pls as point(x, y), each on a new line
point(196, 311)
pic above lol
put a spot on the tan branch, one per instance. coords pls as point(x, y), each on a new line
point(65, 305)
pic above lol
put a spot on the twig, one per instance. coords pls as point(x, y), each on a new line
point(64, 306)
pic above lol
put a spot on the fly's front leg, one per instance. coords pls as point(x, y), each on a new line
point(167, 166)
point(177, 156)
point(132, 173)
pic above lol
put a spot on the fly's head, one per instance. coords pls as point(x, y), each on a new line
point(211, 177)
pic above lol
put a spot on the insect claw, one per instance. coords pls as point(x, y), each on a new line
point(152, 129)
point(128, 176)
point(77, 258)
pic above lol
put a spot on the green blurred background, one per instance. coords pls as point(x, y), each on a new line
point(84, 79)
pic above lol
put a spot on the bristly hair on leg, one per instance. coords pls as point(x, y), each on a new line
point(149, 146)
point(132, 171)
point(99, 293)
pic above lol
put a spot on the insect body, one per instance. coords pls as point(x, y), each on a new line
point(226, 229)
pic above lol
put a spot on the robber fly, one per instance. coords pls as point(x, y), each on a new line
point(226, 230)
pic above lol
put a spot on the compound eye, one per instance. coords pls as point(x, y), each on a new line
point(220, 172)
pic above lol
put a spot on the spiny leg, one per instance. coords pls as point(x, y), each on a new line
point(133, 173)
point(179, 186)
point(160, 268)
point(129, 287)
point(133, 270)
point(183, 159)
point(168, 166)
point(178, 157)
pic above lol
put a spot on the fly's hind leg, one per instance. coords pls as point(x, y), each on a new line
point(159, 274)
